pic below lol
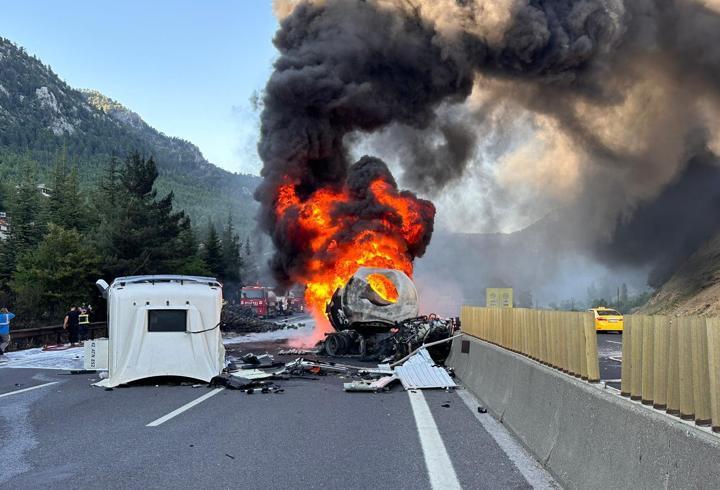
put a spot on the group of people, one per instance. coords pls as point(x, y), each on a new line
point(75, 321)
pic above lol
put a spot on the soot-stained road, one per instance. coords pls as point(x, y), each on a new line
point(59, 431)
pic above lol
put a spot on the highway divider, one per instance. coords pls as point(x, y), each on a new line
point(673, 363)
point(586, 436)
point(564, 340)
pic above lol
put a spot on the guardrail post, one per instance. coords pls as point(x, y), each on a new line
point(660, 348)
point(701, 377)
point(713, 349)
point(648, 364)
point(687, 409)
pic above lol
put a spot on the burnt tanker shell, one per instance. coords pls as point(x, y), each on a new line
point(358, 307)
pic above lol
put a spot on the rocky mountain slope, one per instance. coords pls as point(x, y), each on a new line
point(694, 289)
point(41, 115)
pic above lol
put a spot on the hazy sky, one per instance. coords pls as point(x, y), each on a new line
point(187, 67)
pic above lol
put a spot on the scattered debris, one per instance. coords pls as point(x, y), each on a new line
point(241, 319)
point(83, 371)
point(361, 385)
point(298, 352)
point(420, 371)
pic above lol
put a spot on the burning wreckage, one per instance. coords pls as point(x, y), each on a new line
point(376, 316)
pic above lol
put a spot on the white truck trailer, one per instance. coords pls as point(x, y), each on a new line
point(163, 325)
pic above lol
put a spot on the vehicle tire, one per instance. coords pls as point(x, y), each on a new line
point(333, 344)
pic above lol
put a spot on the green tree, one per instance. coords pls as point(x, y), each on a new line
point(66, 205)
point(189, 261)
point(144, 237)
point(231, 252)
point(212, 252)
point(26, 223)
point(59, 273)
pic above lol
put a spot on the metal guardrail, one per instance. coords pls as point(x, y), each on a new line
point(673, 363)
point(54, 334)
point(564, 340)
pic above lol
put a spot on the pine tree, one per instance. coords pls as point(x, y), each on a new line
point(231, 252)
point(189, 261)
point(144, 234)
point(26, 223)
point(212, 253)
point(66, 206)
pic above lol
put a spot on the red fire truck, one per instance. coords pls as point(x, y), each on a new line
point(261, 299)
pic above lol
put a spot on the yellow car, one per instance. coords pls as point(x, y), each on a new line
point(607, 319)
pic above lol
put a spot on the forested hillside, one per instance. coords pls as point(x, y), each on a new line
point(41, 115)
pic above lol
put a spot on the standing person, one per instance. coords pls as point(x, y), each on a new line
point(5, 317)
point(72, 323)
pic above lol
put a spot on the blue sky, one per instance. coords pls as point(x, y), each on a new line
point(187, 67)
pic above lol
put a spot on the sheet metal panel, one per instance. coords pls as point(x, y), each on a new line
point(420, 372)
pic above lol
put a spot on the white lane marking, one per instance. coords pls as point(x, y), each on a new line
point(185, 407)
point(614, 342)
point(29, 389)
point(533, 472)
point(437, 461)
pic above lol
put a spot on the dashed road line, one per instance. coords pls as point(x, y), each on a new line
point(24, 390)
point(533, 472)
point(437, 461)
point(184, 408)
point(615, 342)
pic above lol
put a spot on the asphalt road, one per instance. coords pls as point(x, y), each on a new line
point(610, 354)
point(314, 435)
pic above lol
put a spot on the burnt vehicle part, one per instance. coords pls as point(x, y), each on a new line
point(375, 315)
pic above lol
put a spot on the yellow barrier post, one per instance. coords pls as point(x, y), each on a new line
point(626, 365)
point(544, 356)
point(673, 374)
point(660, 357)
point(713, 349)
point(648, 366)
point(701, 376)
point(591, 351)
point(564, 344)
point(578, 343)
point(555, 339)
point(583, 346)
point(687, 410)
point(636, 357)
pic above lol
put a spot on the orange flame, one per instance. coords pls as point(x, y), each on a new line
point(338, 242)
point(383, 286)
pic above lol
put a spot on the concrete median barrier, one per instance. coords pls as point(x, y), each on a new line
point(586, 436)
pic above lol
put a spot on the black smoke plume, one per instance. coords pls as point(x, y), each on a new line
point(625, 81)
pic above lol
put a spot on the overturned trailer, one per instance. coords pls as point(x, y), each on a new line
point(376, 314)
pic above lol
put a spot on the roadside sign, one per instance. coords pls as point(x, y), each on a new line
point(499, 297)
